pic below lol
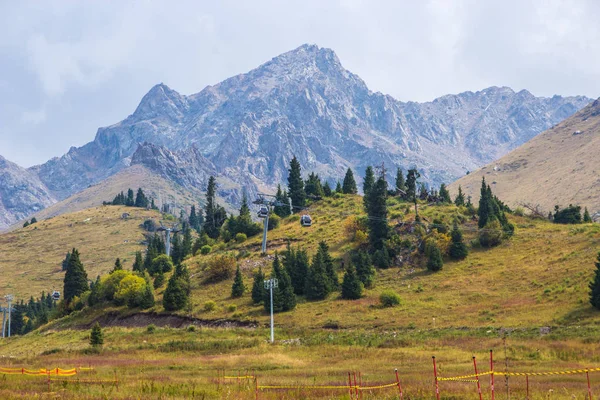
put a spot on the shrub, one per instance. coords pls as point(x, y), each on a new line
point(274, 222)
point(96, 336)
point(210, 306)
point(130, 291)
point(220, 268)
point(361, 238)
point(159, 281)
point(381, 259)
point(110, 284)
point(519, 211)
point(204, 250)
point(151, 328)
point(352, 287)
point(435, 261)
point(149, 225)
point(491, 234)
point(160, 264)
point(240, 237)
point(191, 328)
point(231, 307)
point(389, 298)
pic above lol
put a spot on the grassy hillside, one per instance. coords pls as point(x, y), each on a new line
point(557, 167)
point(31, 257)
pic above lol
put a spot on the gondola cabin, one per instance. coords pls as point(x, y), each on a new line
point(305, 220)
point(263, 212)
point(56, 295)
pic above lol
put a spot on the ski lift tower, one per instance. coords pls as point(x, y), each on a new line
point(264, 212)
point(9, 298)
point(168, 236)
point(270, 284)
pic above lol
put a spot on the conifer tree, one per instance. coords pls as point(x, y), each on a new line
point(296, 265)
point(444, 194)
point(486, 208)
point(211, 225)
point(280, 209)
point(377, 212)
point(586, 216)
point(176, 249)
point(65, 262)
point(238, 288)
point(152, 205)
point(400, 182)
point(138, 264)
point(296, 185)
point(595, 286)
point(317, 286)
point(258, 287)
point(96, 294)
point(130, 201)
point(186, 244)
point(96, 336)
point(338, 187)
point(313, 187)
point(411, 184)
point(349, 186)
point(75, 281)
point(193, 219)
point(352, 287)
point(118, 266)
point(147, 298)
point(460, 198)
point(327, 191)
point(368, 181)
point(284, 298)
point(435, 262)
point(364, 268)
point(159, 280)
point(458, 249)
point(177, 293)
point(140, 199)
point(16, 321)
point(330, 273)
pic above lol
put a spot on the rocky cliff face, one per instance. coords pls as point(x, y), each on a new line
point(21, 193)
point(305, 103)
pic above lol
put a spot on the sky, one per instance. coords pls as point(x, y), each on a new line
point(70, 67)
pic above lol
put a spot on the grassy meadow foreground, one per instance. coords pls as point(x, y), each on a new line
point(531, 290)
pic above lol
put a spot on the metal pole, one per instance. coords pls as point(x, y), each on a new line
point(477, 378)
point(398, 381)
point(266, 228)
point(3, 321)
point(492, 372)
point(168, 241)
point(587, 373)
point(272, 325)
point(437, 386)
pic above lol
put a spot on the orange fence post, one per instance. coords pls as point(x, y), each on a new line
point(527, 380)
point(477, 378)
point(360, 383)
point(437, 386)
point(398, 381)
point(587, 373)
point(355, 385)
point(350, 384)
point(256, 387)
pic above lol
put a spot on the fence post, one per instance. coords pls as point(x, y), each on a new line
point(256, 386)
point(355, 385)
point(398, 382)
point(477, 378)
point(492, 372)
point(360, 384)
point(350, 384)
point(587, 372)
point(116, 380)
point(437, 387)
point(48, 377)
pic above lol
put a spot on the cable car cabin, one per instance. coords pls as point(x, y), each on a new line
point(305, 220)
point(56, 295)
point(263, 212)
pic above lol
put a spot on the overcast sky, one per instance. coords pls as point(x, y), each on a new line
point(69, 67)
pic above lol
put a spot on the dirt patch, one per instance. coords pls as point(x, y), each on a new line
point(165, 320)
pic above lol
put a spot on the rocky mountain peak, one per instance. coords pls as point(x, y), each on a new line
point(161, 100)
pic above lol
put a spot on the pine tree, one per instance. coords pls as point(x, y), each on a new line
point(118, 266)
point(130, 202)
point(65, 262)
point(96, 336)
point(258, 287)
point(377, 212)
point(327, 189)
point(460, 198)
point(159, 280)
point(147, 299)
point(284, 298)
point(152, 205)
point(138, 264)
point(349, 185)
point(444, 194)
point(338, 187)
point(193, 219)
point(435, 262)
point(296, 185)
point(595, 286)
point(317, 286)
point(458, 249)
point(176, 249)
point(16, 320)
point(352, 287)
point(586, 216)
point(238, 288)
point(177, 293)
point(313, 187)
point(486, 209)
point(400, 182)
point(368, 181)
point(186, 245)
point(364, 268)
point(411, 184)
point(332, 277)
point(296, 265)
point(96, 293)
point(211, 226)
point(280, 209)
point(140, 199)
point(75, 281)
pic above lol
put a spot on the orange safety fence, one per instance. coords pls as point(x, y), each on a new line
point(38, 372)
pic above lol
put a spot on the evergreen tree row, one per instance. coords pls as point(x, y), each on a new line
point(129, 200)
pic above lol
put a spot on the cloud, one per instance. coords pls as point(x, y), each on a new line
point(34, 117)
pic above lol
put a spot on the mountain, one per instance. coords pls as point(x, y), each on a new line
point(21, 193)
point(558, 167)
point(305, 103)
